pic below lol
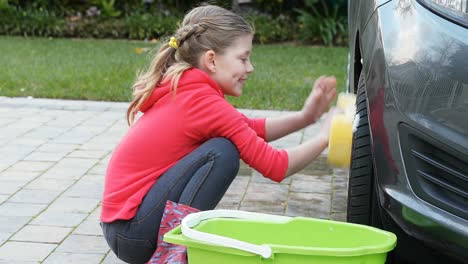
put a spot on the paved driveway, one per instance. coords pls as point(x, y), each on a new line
point(53, 155)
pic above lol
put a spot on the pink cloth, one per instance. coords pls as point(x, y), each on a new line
point(167, 252)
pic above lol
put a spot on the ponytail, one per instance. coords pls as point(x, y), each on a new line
point(147, 81)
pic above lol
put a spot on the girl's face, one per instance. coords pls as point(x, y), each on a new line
point(233, 66)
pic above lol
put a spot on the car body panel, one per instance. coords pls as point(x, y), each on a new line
point(416, 68)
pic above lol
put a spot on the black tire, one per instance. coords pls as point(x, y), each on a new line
point(363, 206)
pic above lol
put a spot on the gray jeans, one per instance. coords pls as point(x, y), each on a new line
point(199, 180)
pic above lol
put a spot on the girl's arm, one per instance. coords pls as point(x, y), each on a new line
point(320, 98)
point(300, 156)
point(278, 127)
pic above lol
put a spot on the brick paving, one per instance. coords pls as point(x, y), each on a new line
point(53, 159)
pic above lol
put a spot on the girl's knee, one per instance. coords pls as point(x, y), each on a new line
point(227, 148)
point(226, 152)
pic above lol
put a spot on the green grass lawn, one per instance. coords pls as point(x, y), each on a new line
point(105, 70)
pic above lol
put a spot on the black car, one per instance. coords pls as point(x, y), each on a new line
point(408, 65)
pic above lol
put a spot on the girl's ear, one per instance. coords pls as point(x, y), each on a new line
point(207, 62)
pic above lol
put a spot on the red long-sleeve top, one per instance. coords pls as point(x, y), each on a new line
point(171, 127)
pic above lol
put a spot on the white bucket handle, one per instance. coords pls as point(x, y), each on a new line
point(194, 219)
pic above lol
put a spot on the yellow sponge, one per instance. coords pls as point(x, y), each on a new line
point(341, 132)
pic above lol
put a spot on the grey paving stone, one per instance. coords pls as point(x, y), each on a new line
point(28, 141)
point(279, 144)
point(34, 196)
point(4, 236)
point(112, 259)
point(18, 176)
point(239, 183)
point(100, 143)
point(11, 224)
point(48, 218)
point(93, 154)
point(344, 173)
point(53, 112)
point(311, 187)
point(96, 214)
point(270, 208)
point(259, 178)
point(64, 121)
point(89, 227)
point(70, 168)
point(83, 244)
point(45, 156)
point(340, 201)
point(112, 115)
point(4, 166)
point(100, 120)
point(12, 157)
point(53, 108)
point(55, 147)
point(3, 197)
point(89, 186)
point(265, 193)
point(9, 161)
point(73, 205)
point(73, 137)
point(45, 234)
point(45, 132)
point(74, 105)
point(42, 183)
point(244, 169)
point(31, 166)
point(339, 217)
point(76, 163)
point(15, 251)
point(231, 200)
point(32, 117)
point(15, 130)
point(309, 204)
point(99, 168)
point(311, 131)
point(305, 177)
point(20, 209)
point(340, 183)
point(294, 138)
point(227, 205)
point(75, 258)
point(4, 121)
point(318, 167)
point(265, 113)
point(120, 124)
point(17, 150)
point(10, 187)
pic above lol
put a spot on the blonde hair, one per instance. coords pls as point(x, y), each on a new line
point(204, 28)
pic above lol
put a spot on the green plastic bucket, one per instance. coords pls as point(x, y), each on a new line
point(237, 237)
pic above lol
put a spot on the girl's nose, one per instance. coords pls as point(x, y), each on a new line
point(250, 68)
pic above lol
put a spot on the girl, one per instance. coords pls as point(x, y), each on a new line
point(187, 144)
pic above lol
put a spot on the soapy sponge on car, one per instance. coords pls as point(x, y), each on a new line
point(341, 131)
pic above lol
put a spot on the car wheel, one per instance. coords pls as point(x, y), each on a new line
point(363, 206)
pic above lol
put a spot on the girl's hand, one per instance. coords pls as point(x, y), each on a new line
point(323, 93)
point(324, 133)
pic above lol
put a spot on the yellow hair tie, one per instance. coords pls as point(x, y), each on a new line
point(173, 43)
